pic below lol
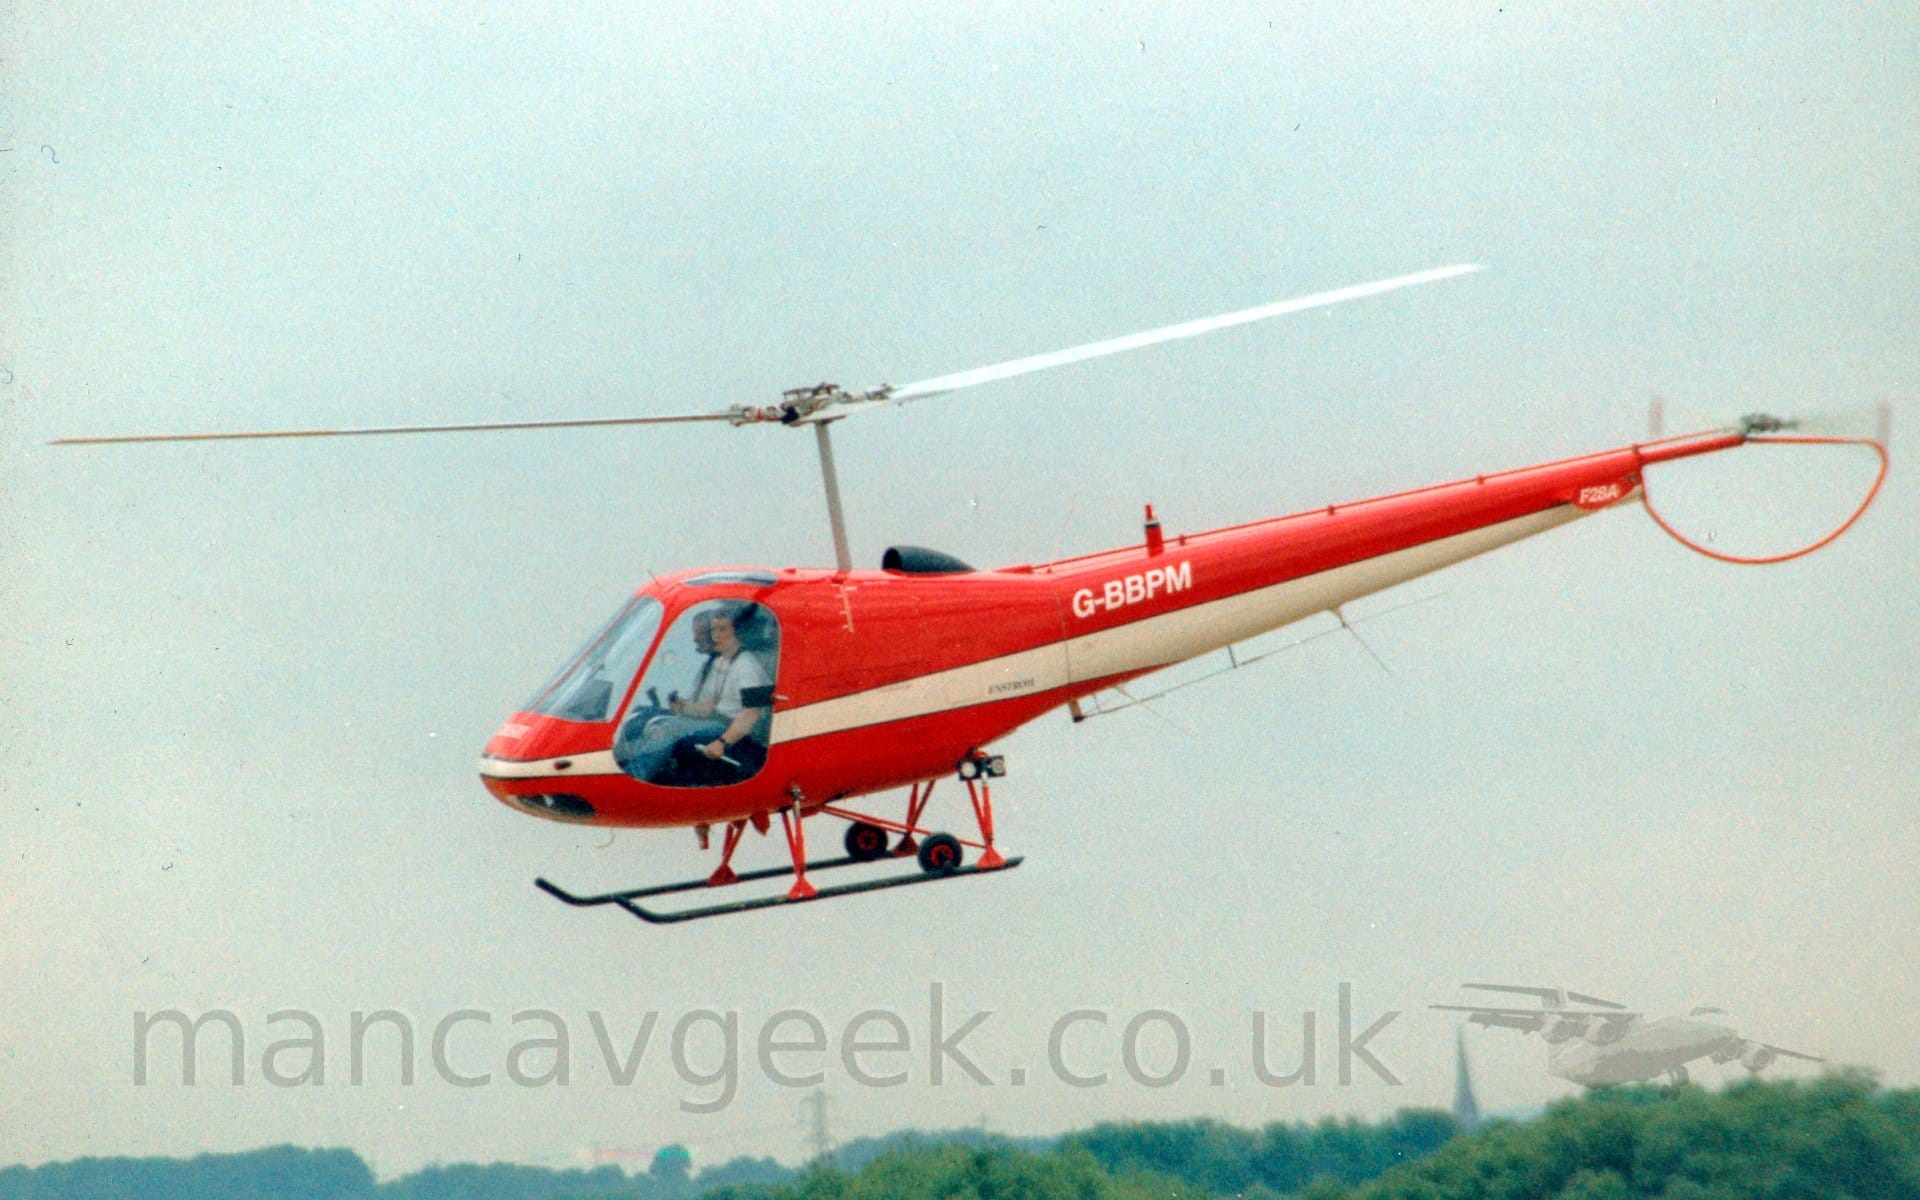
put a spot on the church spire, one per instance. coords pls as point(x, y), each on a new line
point(1466, 1112)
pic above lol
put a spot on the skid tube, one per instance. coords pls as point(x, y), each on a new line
point(657, 917)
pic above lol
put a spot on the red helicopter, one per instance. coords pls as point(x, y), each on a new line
point(738, 696)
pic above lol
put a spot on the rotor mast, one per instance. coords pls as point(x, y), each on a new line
point(803, 406)
point(842, 557)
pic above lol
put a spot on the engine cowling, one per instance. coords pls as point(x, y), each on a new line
point(1606, 1033)
point(918, 560)
point(1756, 1058)
point(1562, 1030)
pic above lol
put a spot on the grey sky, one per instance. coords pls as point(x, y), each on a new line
point(244, 686)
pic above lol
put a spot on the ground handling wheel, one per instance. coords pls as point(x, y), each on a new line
point(940, 854)
point(866, 842)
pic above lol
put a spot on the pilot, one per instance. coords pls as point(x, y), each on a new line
point(717, 718)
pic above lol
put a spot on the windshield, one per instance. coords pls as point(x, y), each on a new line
point(591, 687)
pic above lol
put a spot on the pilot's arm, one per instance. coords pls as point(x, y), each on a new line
point(741, 727)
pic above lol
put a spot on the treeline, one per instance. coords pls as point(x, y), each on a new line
point(1833, 1138)
point(1227, 1160)
point(1130, 1161)
point(1838, 1136)
point(289, 1173)
point(284, 1172)
point(1201, 1154)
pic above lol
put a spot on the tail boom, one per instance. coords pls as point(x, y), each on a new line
point(1147, 607)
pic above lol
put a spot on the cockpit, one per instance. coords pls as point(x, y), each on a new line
point(700, 712)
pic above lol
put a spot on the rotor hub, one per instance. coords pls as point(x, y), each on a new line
point(799, 404)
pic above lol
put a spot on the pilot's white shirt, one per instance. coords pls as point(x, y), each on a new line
point(728, 678)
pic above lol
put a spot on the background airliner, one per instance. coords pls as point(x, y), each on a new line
point(1599, 1043)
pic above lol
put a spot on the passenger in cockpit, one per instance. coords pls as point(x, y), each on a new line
point(699, 693)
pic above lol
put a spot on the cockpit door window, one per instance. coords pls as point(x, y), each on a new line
point(701, 714)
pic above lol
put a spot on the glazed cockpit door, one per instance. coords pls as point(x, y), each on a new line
point(702, 711)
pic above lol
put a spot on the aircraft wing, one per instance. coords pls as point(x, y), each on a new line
point(1600, 1014)
point(1526, 1020)
point(1550, 997)
point(1532, 1020)
point(1783, 1052)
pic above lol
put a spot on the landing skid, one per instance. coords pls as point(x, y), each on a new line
point(656, 917)
point(939, 854)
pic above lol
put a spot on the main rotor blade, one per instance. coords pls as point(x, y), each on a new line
point(1168, 333)
point(308, 433)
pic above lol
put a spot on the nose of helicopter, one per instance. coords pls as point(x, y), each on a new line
point(506, 740)
point(530, 760)
point(539, 788)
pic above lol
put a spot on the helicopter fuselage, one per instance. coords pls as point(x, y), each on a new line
point(891, 677)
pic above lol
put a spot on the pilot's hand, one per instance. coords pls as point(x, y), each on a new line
point(714, 749)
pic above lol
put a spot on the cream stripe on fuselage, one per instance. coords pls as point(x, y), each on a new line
point(1156, 641)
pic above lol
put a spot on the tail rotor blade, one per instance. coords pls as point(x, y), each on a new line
point(1850, 422)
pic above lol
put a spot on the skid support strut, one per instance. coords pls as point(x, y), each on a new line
point(981, 793)
point(791, 822)
point(916, 807)
point(723, 874)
